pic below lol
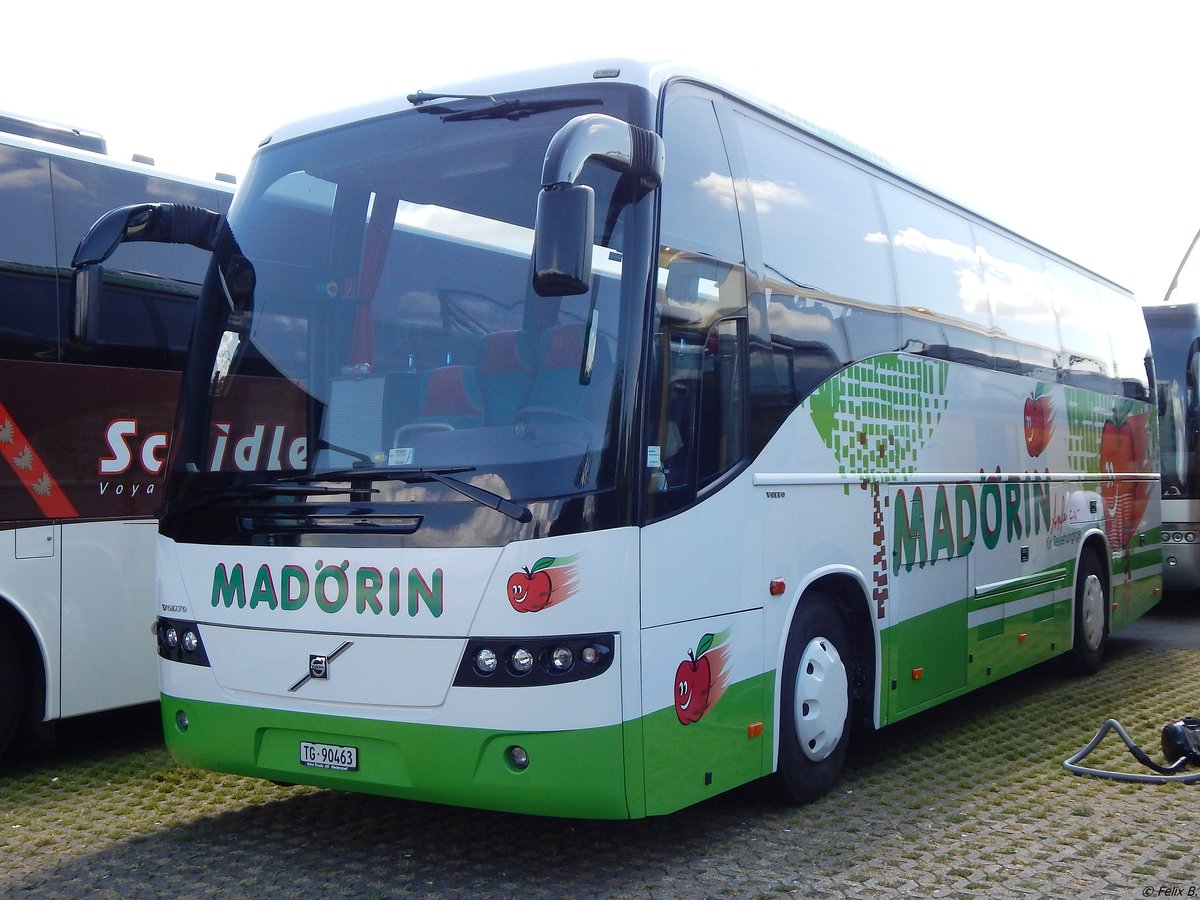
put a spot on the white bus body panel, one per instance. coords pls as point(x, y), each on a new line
point(403, 657)
point(29, 582)
point(108, 657)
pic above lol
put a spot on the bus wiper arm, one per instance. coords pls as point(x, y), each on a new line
point(517, 109)
point(483, 495)
point(443, 476)
point(498, 109)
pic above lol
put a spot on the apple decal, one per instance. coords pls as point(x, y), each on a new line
point(700, 680)
point(548, 582)
point(1039, 420)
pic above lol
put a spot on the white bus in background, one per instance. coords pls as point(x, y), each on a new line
point(1175, 335)
point(86, 407)
point(754, 439)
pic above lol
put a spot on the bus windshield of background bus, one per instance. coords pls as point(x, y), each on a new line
point(392, 321)
point(1173, 335)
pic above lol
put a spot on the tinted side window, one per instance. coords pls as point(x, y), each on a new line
point(697, 405)
point(1021, 310)
point(939, 281)
point(1124, 323)
point(28, 280)
point(823, 237)
point(150, 289)
point(1083, 325)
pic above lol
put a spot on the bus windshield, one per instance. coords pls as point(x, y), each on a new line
point(1175, 338)
point(371, 307)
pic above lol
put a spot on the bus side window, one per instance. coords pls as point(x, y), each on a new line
point(29, 320)
point(938, 278)
point(822, 236)
point(695, 429)
point(1123, 317)
point(1022, 316)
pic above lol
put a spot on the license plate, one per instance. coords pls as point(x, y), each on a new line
point(329, 756)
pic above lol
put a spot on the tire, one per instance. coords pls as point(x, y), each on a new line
point(815, 705)
point(1090, 617)
point(12, 688)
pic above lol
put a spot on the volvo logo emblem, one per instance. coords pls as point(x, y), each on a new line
point(318, 666)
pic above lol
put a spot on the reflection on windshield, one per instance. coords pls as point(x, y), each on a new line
point(393, 323)
point(1173, 334)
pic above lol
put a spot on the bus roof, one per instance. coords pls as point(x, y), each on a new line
point(55, 148)
point(52, 132)
point(653, 77)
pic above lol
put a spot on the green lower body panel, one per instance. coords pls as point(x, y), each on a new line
point(729, 746)
point(570, 773)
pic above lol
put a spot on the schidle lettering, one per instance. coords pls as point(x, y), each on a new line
point(331, 588)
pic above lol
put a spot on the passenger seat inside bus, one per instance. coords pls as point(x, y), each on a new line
point(555, 390)
point(450, 398)
point(505, 374)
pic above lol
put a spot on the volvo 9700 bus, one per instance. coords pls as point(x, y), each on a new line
point(86, 406)
point(590, 442)
point(1175, 336)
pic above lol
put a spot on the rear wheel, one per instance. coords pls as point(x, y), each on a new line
point(1091, 615)
point(12, 688)
point(815, 702)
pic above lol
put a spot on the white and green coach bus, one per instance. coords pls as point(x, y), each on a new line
point(1174, 326)
point(589, 442)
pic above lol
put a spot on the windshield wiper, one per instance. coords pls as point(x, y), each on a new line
point(442, 476)
point(511, 108)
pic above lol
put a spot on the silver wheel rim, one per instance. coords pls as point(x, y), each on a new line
point(1092, 612)
point(822, 699)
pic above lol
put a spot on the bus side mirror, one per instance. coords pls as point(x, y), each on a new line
point(162, 223)
point(564, 231)
point(85, 308)
point(562, 241)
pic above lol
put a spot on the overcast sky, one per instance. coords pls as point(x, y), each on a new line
point(1068, 121)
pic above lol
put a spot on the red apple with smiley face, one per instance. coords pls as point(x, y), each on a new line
point(693, 683)
point(550, 581)
point(529, 590)
point(1124, 450)
point(1038, 421)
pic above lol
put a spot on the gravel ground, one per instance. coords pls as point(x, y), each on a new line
point(969, 800)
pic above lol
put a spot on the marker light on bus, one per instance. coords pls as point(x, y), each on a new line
point(562, 659)
point(521, 661)
point(485, 661)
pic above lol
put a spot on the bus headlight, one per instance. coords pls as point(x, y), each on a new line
point(530, 661)
point(521, 661)
point(181, 642)
point(485, 661)
point(562, 659)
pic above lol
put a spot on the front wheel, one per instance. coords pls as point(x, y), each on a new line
point(815, 702)
point(1091, 615)
point(12, 688)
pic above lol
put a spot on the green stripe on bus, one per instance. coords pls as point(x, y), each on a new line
point(570, 773)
